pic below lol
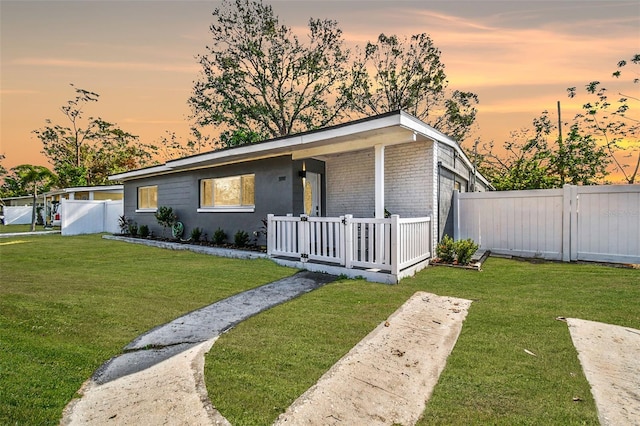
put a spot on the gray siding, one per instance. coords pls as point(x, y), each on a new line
point(274, 187)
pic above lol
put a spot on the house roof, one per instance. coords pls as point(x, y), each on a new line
point(388, 129)
point(102, 188)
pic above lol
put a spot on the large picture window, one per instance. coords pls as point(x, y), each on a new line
point(148, 197)
point(233, 193)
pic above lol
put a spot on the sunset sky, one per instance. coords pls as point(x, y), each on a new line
point(518, 56)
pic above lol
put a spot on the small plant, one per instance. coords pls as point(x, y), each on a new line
point(464, 250)
point(219, 236)
point(446, 249)
point(166, 217)
point(241, 238)
point(195, 235)
point(144, 231)
point(123, 224)
point(132, 228)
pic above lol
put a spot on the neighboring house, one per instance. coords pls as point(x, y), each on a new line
point(52, 199)
point(25, 200)
point(391, 163)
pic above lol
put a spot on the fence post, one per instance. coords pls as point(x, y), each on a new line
point(569, 223)
point(395, 244)
point(303, 238)
point(456, 215)
point(271, 237)
point(348, 241)
point(574, 222)
point(341, 240)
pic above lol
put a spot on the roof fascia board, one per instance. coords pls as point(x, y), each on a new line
point(428, 131)
point(289, 142)
point(140, 173)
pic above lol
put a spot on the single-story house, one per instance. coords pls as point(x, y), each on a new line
point(381, 167)
point(53, 198)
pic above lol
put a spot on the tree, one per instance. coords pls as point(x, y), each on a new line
point(534, 159)
point(258, 75)
point(610, 122)
point(35, 179)
point(86, 152)
point(408, 75)
point(3, 170)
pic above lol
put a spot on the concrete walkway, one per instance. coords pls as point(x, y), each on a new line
point(160, 364)
point(610, 358)
point(26, 234)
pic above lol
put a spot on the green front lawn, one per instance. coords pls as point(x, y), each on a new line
point(67, 304)
point(258, 369)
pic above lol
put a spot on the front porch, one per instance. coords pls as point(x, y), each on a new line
point(381, 250)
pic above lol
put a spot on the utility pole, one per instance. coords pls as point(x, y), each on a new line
point(561, 152)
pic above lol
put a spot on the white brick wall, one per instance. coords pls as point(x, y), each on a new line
point(350, 184)
point(408, 172)
point(409, 181)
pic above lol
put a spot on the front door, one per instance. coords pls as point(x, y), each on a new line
point(312, 194)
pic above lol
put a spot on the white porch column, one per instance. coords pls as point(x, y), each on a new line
point(379, 181)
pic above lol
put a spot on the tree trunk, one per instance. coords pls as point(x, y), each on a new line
point(34, 211)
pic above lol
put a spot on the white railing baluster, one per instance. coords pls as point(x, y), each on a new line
point(389, 244)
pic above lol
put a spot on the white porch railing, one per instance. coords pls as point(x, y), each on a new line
point(389, 244)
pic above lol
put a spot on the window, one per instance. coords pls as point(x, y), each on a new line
point(148, 197)
point(233, 193)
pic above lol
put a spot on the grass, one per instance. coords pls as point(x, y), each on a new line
point(259, 368)
point(68, 304)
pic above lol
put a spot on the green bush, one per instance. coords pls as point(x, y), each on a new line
point(166, 217)
point(219, 236)
point(123, 224)
point(241, 238)
point(464, 250)
point(446, 249)
point(132, 228)
point(144, 231)
point(195, 235)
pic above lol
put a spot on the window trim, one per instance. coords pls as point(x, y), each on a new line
point(146, 209)
point(241, 208)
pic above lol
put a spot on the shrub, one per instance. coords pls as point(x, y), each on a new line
point(241, 238)
point(464, 250)
point(446, 249)
point(219, 237)
point(132, 228)
point(123, 224)
point(195, 235)
point(144, 231)
point(166, 217)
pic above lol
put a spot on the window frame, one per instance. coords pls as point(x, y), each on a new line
point(146, 209)
point(238, 208)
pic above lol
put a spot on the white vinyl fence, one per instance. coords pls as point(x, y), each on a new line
point(90, 217)
point(390, 244)
point(593, 223)
point(17, 215)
